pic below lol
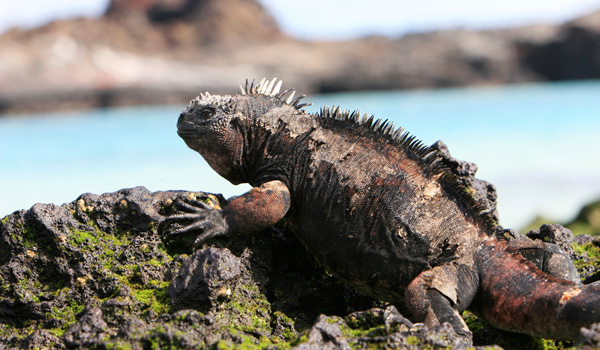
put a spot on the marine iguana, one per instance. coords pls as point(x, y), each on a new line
point(375, 207)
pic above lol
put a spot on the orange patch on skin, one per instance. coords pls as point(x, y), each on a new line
point(568, 295)
point(259, 208)
point(432, 189)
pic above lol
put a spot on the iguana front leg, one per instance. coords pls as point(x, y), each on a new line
point(257, 209)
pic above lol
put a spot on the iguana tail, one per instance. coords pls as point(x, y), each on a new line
point(516, 296)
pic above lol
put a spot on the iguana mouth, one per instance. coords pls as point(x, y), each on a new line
point(190, 133)
point(185, 132)
point(186, 127)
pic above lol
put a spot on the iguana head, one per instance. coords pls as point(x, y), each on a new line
point(212, 125)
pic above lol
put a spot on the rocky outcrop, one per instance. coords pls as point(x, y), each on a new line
point(193, 23)
point(97, 273)
point(135, 54)
point(165, 51)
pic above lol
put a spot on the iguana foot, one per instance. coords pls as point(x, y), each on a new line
point(440, 294)
point(391, 317)
point(195, 216)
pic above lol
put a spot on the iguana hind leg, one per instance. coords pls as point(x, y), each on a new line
point(440, 294)
point(553, 261)
point(547, 257)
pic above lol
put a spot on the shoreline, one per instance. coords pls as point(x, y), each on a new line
point(57, 67)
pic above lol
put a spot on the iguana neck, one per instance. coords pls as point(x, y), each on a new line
point(271, 146)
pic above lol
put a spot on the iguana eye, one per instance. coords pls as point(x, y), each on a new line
point(207, 112)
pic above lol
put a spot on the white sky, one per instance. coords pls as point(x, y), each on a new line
point(339, 19)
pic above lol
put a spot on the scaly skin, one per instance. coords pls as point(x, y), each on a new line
point(377, 209)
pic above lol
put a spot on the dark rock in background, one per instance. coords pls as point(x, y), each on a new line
point(198, 22)
point(573, 54)
point(587, 220)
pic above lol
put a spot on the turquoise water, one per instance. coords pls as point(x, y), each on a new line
point(537, 143)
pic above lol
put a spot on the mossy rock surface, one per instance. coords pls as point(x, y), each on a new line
point(95, 273)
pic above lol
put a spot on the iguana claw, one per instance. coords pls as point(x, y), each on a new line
point(192, 206)
point(199, 216)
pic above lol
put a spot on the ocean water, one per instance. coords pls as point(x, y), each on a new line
point(537, 143)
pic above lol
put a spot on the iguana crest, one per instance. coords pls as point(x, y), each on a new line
point(272, 89)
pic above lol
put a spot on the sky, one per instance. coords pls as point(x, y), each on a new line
point(335, 19)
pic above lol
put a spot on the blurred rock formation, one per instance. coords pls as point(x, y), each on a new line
point(166, 51)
